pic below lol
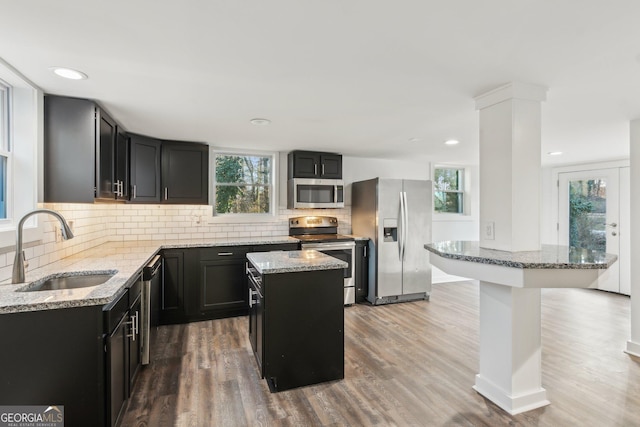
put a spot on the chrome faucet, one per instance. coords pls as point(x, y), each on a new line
point(18, 262)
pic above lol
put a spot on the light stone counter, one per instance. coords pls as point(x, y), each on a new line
point(125, 258)
point(293, 261)
point(549, 257)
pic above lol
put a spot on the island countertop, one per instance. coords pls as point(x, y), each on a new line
point(126, 258)
point(548, 257)
point(293, 261)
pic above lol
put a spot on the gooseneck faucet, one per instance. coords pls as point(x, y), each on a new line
point(18, 262)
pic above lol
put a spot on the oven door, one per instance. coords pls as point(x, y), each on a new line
point(344, 251)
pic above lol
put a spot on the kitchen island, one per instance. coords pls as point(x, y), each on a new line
point(510, 282)
point(296, 317)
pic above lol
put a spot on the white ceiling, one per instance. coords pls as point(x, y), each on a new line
point(360, 77)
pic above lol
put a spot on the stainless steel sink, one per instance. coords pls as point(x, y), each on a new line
point(69, 281)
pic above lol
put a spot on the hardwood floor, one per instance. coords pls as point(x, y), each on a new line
point(410, 364)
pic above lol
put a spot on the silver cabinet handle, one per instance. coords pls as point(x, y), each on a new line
point(252, 293)
point(166, 193)
point(613, 225)
point(134, 191)
point(323, 169)
point(613, 233)
point(225, 253)
point(315, 169)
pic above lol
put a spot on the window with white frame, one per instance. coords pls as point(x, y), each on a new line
point(448, 195)
point(243, 183)
point(5, 152)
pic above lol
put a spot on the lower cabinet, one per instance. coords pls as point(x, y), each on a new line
point(82, 358)
point(122, 347)
point(207, 283)
point(362, 270)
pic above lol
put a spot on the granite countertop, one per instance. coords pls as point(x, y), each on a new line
point(125, 258)
point(549, 257)
point(293, 261)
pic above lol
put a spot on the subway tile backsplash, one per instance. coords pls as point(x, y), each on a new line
point(95, 224)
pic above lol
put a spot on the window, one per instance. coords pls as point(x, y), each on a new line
point(448, 190)
point(243, 183)
point(5, 157)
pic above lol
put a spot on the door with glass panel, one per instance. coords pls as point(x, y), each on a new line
point(589, 216)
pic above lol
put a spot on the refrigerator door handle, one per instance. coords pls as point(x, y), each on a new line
point(401, 229)
point(405, 224)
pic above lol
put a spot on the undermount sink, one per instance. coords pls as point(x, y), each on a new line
point(72, 280)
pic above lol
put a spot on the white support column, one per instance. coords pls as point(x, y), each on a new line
point(510, 164)
point(510, 351)
point(510, 167)
point(633, 345)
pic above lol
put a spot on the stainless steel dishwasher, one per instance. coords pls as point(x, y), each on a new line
point(150, 310)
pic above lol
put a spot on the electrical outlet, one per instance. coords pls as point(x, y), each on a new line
point(58, 233)
point(489, 230)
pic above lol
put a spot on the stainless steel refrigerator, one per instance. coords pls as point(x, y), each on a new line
point(395, 214)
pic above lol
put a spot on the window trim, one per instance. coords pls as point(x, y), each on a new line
point(463, 189)
point(272, 215)
point(5, 150)
point(26, 121)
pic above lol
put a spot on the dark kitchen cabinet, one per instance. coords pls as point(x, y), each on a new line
point(293, 347)
point(185, 173)
point(117, 357)
point(169, 171)
point(135, 343)
point(80, 133)
point(145, 169)
point(223, 282)
point(312, 164)
point(173, 308)
point(122, 165)
point(362, 270)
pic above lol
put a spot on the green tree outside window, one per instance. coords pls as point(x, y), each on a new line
point(242, 184)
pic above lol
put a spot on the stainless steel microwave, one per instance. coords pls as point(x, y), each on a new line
point(306, 193)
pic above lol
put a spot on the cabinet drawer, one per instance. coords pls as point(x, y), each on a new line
point(223, 252)
point(135, 290)
point(114, 311)
point(276, 247)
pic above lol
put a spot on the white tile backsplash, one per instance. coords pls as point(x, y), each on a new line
point(95, 224)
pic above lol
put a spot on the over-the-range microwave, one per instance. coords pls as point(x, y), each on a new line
point(306, 193)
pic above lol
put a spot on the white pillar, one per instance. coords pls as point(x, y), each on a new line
point(510, 167)
point(510, 174)
point(633, 345)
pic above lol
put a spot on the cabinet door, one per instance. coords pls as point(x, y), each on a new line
point(117, 375)
point(223, 287)
point(105, 165)
point(331, 166)
point(185, 173)
point(134, 343)
point(122, 166)
point(362, 270)
point(304, 164)
point(145, 169)
point(173, 292)
point(69, 150)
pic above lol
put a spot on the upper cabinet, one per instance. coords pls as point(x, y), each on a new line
point(313, 164)
point(145, 169)
point(89, 157)
point(169, 171)
point(185, 172)
point(74, 131)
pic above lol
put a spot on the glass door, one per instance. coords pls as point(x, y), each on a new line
point(589, 216)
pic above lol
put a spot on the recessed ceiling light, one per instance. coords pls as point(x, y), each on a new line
point(452, 142)
point(69, 73)
point(555, 153)
point(260, 122)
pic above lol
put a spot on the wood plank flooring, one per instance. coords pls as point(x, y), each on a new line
point(410, 364)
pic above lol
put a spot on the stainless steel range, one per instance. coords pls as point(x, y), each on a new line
point(321, 233)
